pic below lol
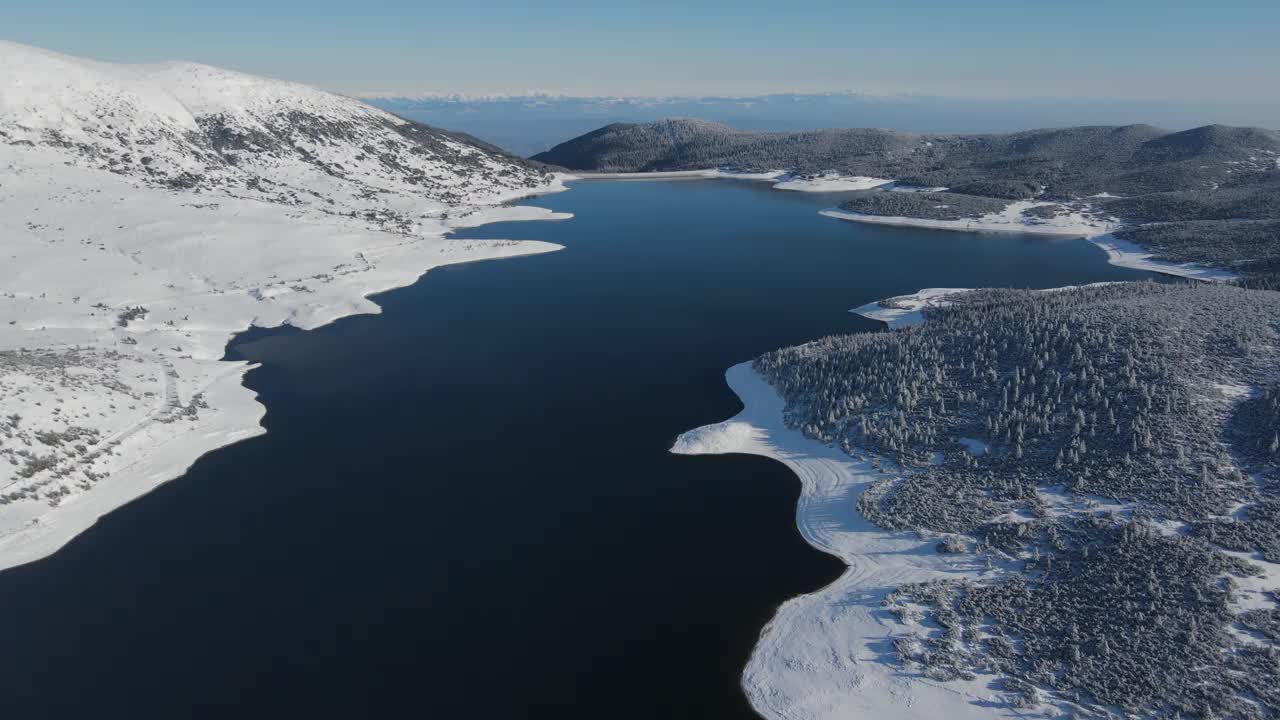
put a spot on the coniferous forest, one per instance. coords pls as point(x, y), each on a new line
point(1114, 447)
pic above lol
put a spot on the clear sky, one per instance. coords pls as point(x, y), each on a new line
point(1168, 49)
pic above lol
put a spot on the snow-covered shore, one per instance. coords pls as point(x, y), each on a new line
point(828, 654)
point(1066, 224)
point(710, 174)
point(831, 182)
point(153, 396)
point(148, 213)
point(1131, 255)
point(1011, 219)
point(906, 310)
point(782, 180)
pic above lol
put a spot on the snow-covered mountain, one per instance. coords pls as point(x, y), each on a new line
point(148, 213)
point(189, 126)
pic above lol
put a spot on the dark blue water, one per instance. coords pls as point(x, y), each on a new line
point(464, 506)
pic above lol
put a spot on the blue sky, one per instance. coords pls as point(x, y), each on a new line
point(1225, 50)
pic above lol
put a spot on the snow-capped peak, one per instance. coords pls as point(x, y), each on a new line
point(189, 126)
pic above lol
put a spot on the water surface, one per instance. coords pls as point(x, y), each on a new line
point(464, 506)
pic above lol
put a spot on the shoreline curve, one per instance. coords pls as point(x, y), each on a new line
point(161, 446)
point(826, 654)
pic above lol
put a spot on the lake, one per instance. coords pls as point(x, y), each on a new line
point(464, 506)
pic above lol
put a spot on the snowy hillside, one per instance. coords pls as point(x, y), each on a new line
point(147, 213)
point(189, 126)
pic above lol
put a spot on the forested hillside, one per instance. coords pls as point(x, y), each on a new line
point(1113, 448)
point(1182, 194)
point(1062, 162)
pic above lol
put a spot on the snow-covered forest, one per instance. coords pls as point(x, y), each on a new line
point(1113, 448)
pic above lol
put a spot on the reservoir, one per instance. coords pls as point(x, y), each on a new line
point(465, 507)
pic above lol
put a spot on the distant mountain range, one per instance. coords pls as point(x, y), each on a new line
point(531, 123)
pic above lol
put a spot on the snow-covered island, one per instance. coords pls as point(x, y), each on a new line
point(149, 213)
point(1050, 502)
